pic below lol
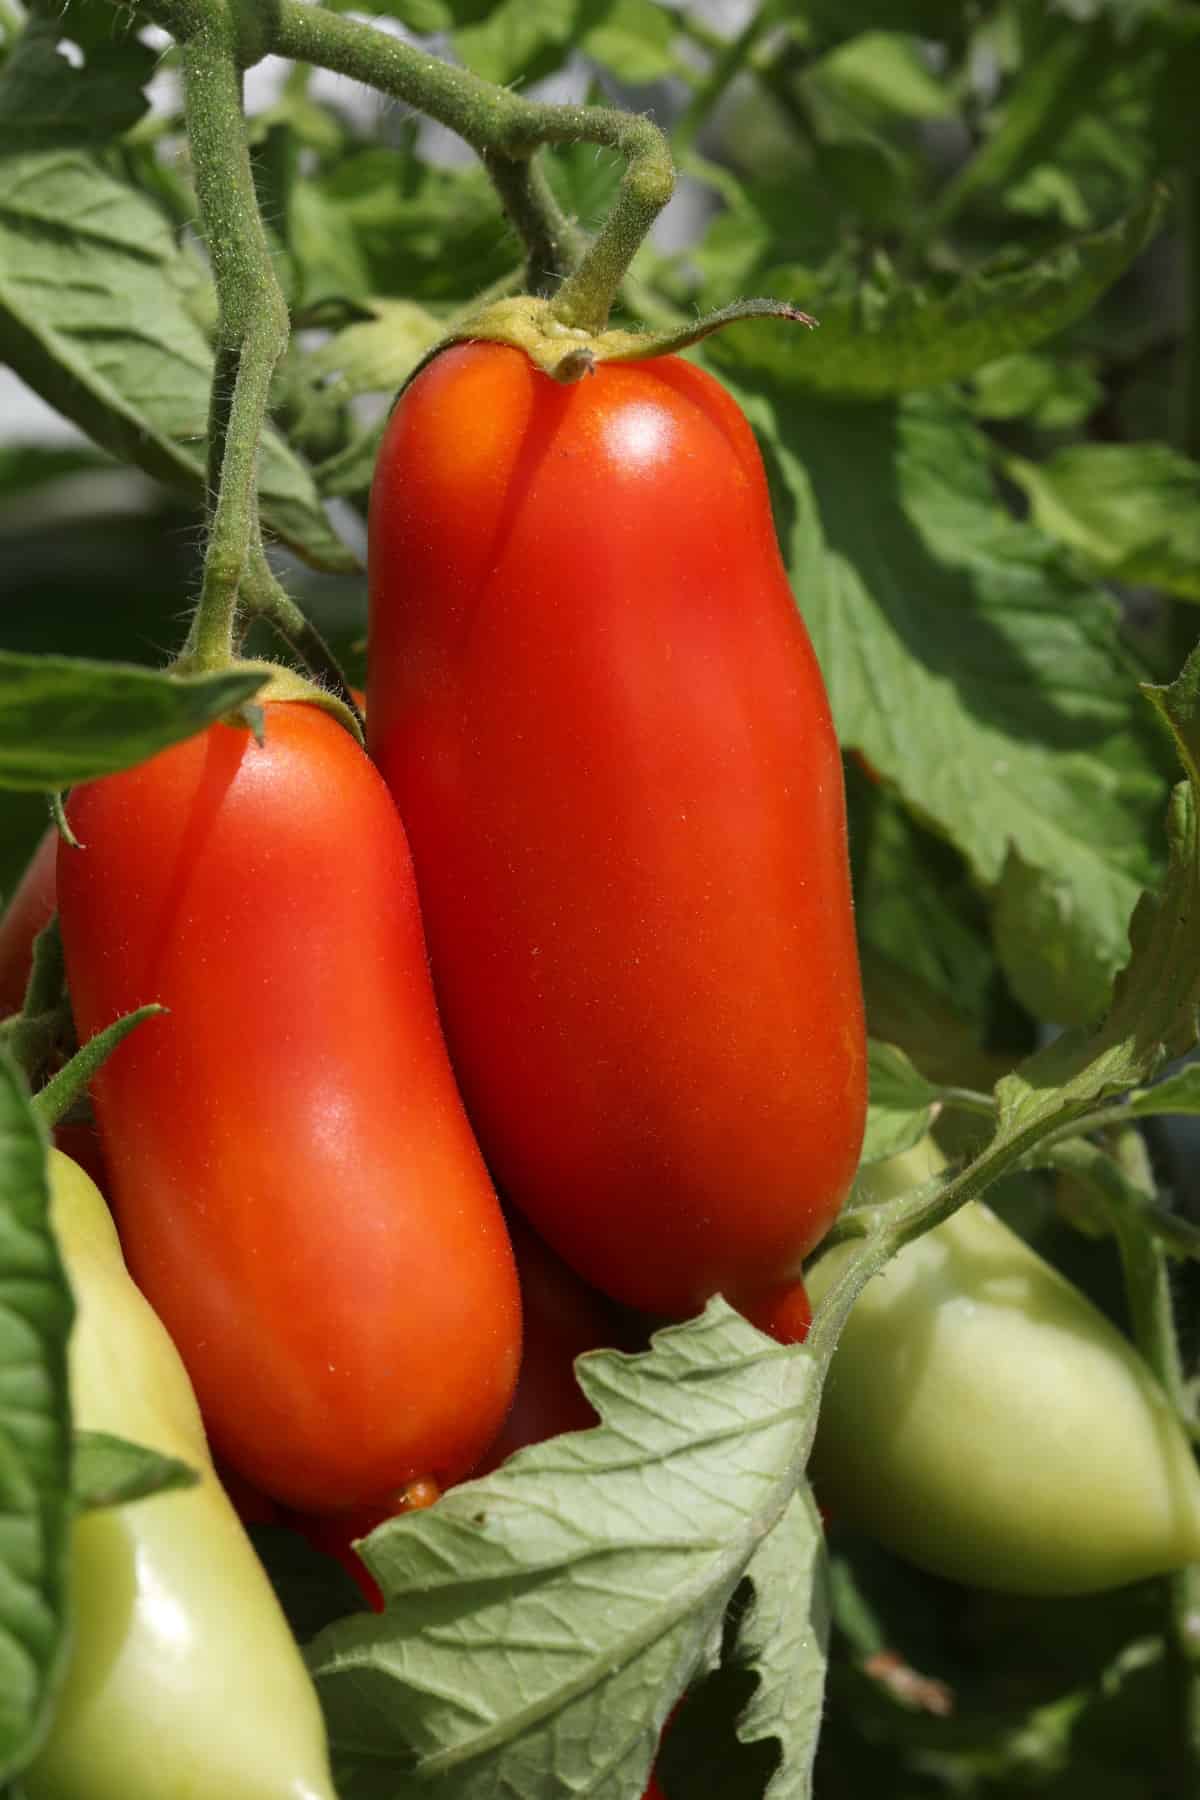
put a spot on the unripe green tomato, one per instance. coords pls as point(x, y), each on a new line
point(184, 1681)
point(983, 1420)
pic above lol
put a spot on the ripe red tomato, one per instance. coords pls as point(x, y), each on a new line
point(296, 1184)
point(596, 705)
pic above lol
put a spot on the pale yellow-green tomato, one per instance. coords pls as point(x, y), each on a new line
point(982, 1419)
point(183, 1680)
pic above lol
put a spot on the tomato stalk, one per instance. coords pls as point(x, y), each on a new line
point(252, 326)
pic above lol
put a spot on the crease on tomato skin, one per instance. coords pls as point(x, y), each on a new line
point(285, 1260)
point(624, 796)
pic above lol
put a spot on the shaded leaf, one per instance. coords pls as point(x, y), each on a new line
point(890, 338)
point(982, 682)
point(95, 314)
point(35, 1437)
point(63, 720)
point(108, 1471)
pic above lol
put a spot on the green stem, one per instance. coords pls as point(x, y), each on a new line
point(553, 245)
point(1148, 1288)
point(252, 326)
point(59, 1094)
point(498, 125)
point(263, 594)
point(728, 62)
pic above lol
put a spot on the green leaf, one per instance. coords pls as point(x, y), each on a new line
point(1052, 962)
point(95, 301)
point(1042, 104)
point(108, 1471)
point(516, 41)
point(1051, 392)
point(375, 355)
point(35, 1435)
point(887, 69)
point(541, 1622)
point(890, 338)
point(782, 1634)
point(89, 97)
point(915, 901)
point(985, 685)
point(901, 1105)
point(1131, 511)
point(63, 720)
point(379, 223)
point(633, 39)
point(1177, 1094)
point(1156, 999)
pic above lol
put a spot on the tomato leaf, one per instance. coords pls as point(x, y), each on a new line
point(109, 1471)
point(63, 720)
point(97, 313)
point(980, 679)
point(900, 1106)
point(1156, 998)
point(540, 1623)
point(1130, 511)
point(890, 337)
point(35, 1436)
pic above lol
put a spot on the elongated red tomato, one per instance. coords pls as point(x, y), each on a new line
point(603, 723)
point(297, 1188)
point(29, 908)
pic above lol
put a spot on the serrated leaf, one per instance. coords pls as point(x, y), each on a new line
point(986, 686)
point(898, 338)
point(109, 1471)
point(96, 315)
point(1131, 511)
point(541, 1622)
point(888, 70)
point(63, 720)
point(35, 1435)
point(900, 1106)
point(782, 1635)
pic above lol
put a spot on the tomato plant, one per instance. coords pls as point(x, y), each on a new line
point(296, 1094)
point(621, 514)
point(595, 702)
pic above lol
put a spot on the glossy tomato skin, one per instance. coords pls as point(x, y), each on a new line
point(602, 720)
point(183, 1677)
point(982, 1419)
point(296, 1184)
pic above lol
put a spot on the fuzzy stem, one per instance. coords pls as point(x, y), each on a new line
point(252, 327)
point(499, 125)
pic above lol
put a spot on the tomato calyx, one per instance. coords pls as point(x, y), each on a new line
point(279, 682)
point(568, 352)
